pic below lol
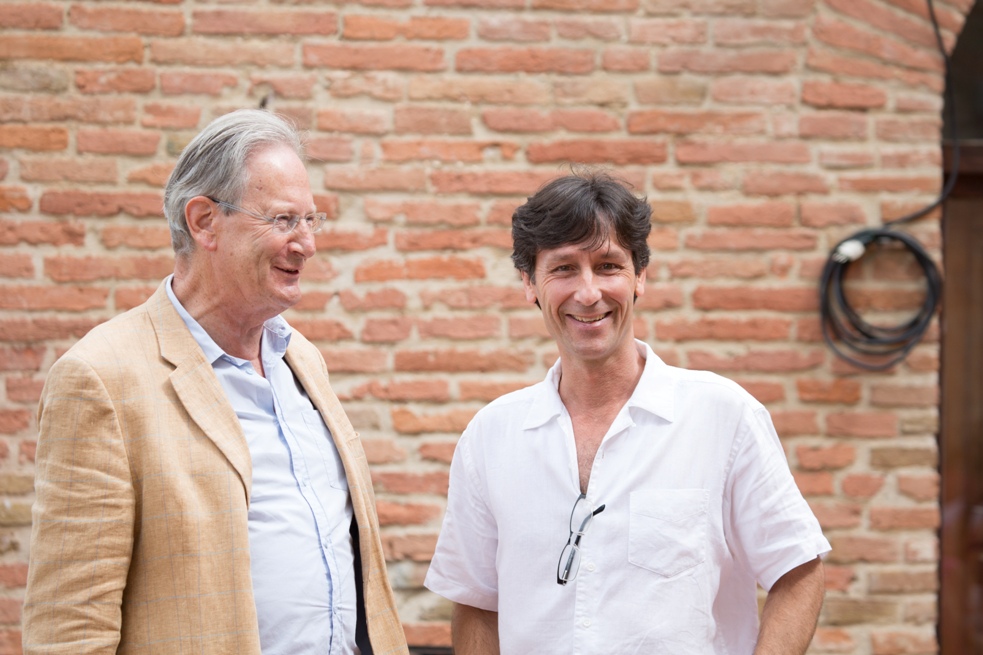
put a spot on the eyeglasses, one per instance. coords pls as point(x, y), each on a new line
point(282, 223)
point(569, 564)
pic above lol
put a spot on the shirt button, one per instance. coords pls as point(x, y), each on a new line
point(586, 623)
point(590, 567)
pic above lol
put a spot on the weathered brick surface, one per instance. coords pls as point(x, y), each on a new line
point(761, 133)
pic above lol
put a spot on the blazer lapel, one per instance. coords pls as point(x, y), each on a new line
point(196, 386)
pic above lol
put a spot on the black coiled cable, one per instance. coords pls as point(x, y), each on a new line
point(842, 326)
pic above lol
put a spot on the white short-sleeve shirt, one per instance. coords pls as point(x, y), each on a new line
point(699, 506)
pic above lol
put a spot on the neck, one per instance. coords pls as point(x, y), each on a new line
point(593, 385)
point(235, 331)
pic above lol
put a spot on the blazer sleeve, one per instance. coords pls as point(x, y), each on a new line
point(83, 518)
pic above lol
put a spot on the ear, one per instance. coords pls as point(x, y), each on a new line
point(529, 288)
point(640, 284)
point(200, 214)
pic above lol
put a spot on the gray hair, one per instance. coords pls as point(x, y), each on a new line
point(214, 164)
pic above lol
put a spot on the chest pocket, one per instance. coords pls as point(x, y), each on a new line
point(667, 529)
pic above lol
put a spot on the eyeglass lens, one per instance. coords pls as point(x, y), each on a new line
point(581, 518)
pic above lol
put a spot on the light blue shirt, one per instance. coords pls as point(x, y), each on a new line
point(300, 510)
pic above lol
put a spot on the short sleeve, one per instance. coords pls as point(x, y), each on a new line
point(769, 525)
point(464, 568)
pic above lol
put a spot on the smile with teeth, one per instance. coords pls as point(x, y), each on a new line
point(587, 319)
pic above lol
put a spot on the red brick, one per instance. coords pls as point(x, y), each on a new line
point(413, 547)
point(371, 300)
point(400, 482)
point(767, 214)
point(904, 518)
point(862, 424)
point(591, 91)
point(319, 329)
point(63, 268)
point(428, 633)
point(764, 391)
point(771, 361)
point(83, 169)
point(60, 298)
point(788, 299)
point(152, 174)
point(909, 28)
point(696, 122)
point(660, 296)
point(362, 121)
point(816, 483)
point(32, 137)
point(608, 151)
point(595, 6)
point(406, 390)
point(330, 149)
point(411, 119)
point(13, 575)
point(19, 358)
point(198, 51)
point(420, 269)
point(836, 456)
point(825, 214)
point(383, 451)
point(904, 642)
point(117, 141)
point(396, 57)
point(214, 84)
point(775, 183)
point(14, 420)
point(841, 95)
point(919, 487)
point(835, 515)
point(667, 31)
point(283, 86)
point(586, 120)
point(102, 203)
point(474, 297)
point(16, 265)
point(838, 578)
point(387, 178)
point(459, 361)
point(720, 267)
point(14, 198)
point(844, 35)
point(151, 237)
point(418, 240)
point(483, 89)
point(669, 90)
point(589, 27)
point(790, 423)
point(406, 421)
point(836, 158)
point(507, 28)
point(338, 240)
point(518, 120)
point(834, 125)
point(27, 451)
point(722, 329)
point(416, 27)
point(745, 32)
point(129, 297)
point(116, 80)
point(826, 61)
point(445, 150)
point(167, 116)
point(115, 49)
point(897, 395)
point(569, 61)
point(391, 513)
point(38, 232)
point(274, 22)
point(386, 330)
point(624, 59)
point(488, 391)
point(490, 182)
point(720, 61)
point(854, 549)
point(33, 16)
point(157, 22)
point(460, 327)
point(862, 485)
point(45, 109)
point(838, 391)
point(753, 91)
point(908, 130)
point(34, 330)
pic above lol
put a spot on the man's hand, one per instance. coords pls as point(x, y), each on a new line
point(474, 631)
point(791, 611)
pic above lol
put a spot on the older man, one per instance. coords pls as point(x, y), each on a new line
point(621, 505)
point(199, 487)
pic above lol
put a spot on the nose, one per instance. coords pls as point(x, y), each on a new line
point(588, 291)
point(302, 240)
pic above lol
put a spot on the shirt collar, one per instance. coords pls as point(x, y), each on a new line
point(654, 393)
point(276, 334)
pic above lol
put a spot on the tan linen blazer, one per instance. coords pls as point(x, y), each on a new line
point(139, 542)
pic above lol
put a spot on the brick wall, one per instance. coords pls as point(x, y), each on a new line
point(762, 131)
